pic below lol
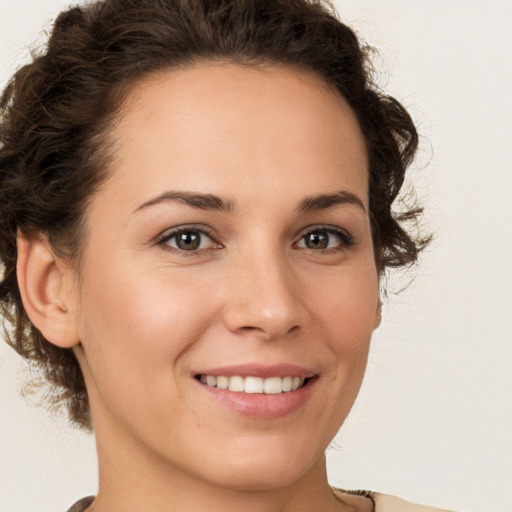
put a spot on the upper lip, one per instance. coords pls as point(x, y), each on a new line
point(259, 370)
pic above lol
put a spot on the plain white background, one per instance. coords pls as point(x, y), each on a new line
point(433, 422)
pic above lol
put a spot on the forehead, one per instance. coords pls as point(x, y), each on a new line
point(226, 128)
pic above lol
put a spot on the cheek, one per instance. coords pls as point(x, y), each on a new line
point(347, 308)
point(134, 299)
point(135, 326)
point(346, 312)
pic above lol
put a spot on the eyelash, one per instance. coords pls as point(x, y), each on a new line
point(346, 240)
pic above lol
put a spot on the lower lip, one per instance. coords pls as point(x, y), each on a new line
point(259, 404)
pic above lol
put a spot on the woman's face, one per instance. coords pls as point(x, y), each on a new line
point(231, 246)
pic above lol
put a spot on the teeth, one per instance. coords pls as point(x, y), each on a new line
point(253, 385)
point(222, 382)
point(273, 386)
point(270, 386)
point(236, 384)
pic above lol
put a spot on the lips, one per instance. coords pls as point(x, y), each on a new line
point(260, 391)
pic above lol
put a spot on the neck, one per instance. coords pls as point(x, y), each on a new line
point(131, 479)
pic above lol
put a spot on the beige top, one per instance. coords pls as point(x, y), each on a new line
point(383, 503)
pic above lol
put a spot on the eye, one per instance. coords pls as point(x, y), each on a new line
point(187, 240)
point(323, 239)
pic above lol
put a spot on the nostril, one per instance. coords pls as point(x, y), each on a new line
point(270, 333)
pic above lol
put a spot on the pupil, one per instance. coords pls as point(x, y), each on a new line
point(317, 241)
point(188, 241)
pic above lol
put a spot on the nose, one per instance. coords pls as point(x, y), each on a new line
point(263, 298)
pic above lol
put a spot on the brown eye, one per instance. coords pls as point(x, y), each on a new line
point(188, 240)
point(317, 240)
point(324, 239)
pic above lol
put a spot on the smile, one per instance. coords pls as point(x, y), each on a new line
point(254, 385)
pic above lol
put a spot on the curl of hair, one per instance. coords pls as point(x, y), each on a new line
point(56, 111)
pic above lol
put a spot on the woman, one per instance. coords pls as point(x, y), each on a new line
point(196, 213)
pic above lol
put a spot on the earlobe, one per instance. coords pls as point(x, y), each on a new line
point(45, 287)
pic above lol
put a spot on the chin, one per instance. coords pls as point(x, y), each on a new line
point(266, 468)
point(257, 479)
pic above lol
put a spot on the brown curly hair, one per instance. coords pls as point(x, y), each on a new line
point(56, 110)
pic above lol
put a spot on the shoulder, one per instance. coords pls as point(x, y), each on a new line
point(386, 503)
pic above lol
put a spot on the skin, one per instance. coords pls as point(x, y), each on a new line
point(147, 316)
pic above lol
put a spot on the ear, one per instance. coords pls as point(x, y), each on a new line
point(46, 285)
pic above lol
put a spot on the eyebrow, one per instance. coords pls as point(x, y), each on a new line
point(196, 200)
point(211, 202)
point(325, 201)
